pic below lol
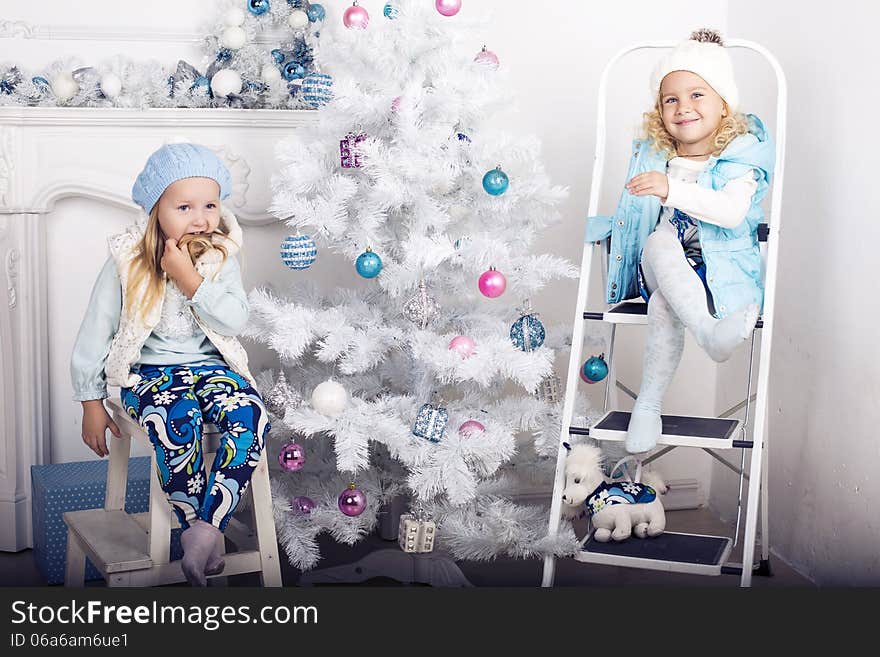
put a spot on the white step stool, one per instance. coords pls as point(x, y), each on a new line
point(134, 549)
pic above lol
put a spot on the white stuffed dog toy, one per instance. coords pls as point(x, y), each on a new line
point(617, 509)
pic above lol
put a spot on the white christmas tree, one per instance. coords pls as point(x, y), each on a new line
point(428, 388)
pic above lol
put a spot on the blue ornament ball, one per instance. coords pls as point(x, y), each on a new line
point(316, 13)
point(527, 333)
point(390, 11)
point(293, 71)
point(298, 251)
point(368, 264)
point(258, 7)
point(595, 369)
point(201, 81)
point(496, 182)
point(42, 84)
point(317, 89)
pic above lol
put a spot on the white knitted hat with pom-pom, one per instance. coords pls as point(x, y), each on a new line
point(704, 54)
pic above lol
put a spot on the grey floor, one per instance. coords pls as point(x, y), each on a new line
point(19, 569)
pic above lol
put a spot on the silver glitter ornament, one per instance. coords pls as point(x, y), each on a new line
point(422, 307)
point(282, 396)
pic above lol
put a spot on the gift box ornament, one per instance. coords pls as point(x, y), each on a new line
point(350, 152)
point(431, 422)
point(527, 333)
point(416, 534)
point(548, 389)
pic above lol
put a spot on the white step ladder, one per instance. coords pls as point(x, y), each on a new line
point(678, 552)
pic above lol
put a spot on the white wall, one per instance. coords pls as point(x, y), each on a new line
point(553, 54)
point(825, 377)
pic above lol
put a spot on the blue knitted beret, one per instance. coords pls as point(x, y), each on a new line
point(175, 162)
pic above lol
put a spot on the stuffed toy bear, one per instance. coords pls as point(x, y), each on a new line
point(616, 509)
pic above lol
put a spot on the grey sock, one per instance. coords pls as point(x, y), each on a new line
point(199, 542)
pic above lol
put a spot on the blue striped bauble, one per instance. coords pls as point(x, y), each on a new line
point(298, 251)
point(317, 89)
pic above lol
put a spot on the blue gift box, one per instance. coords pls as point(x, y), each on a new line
point(63, 487)
point(431, 422)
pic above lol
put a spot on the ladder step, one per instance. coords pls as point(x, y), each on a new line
point(632, 312)
point(678, 430)
point(671, 551)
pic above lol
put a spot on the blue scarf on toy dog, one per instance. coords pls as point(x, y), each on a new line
point(621, 492)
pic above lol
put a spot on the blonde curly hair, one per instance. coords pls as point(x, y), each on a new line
point(731, 127)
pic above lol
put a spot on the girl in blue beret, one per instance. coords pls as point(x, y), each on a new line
point(161, 324)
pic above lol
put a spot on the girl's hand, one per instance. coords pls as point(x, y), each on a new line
point(649, 183)
point(176, 262)
point(95, 423)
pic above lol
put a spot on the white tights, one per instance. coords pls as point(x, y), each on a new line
point(678, 300)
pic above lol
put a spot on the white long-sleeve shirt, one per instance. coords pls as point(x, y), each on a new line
point(725, 207)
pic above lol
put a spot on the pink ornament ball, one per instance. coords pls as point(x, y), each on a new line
point(492, 283)
point(464, 345)
point(487, 58)
point(395, 104)
point(471, 428)
point(302, 504)
point(352, 501)
point(292, 457)
point(356, 17)
point(448, 7)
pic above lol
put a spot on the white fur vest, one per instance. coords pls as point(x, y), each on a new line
point(125, 349)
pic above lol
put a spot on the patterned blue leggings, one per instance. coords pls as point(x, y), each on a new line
point(171, 403)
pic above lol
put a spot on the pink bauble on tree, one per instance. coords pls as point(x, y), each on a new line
point(487, 58)
point(395, 104)
point(356, 17)
point(352, 501)
point(464, 345)
point(292, 457)
point(492, 283)
point(471, 428)
point(448, 7)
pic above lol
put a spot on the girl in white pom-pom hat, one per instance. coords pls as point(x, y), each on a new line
point(161, 325)
point(684, 235)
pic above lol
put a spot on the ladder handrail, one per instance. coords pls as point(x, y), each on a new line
point(771, 260)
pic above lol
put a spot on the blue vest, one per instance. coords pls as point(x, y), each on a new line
point(733, 259)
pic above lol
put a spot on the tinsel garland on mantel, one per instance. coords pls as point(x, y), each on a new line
point(235, 70)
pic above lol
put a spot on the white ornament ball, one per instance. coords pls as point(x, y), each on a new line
point(329, 398)
point(270, 74)
point(111, 85)
point(225, 82)
point(64, 86)
point(233, 38)
point(234, 17)
point(298, 19)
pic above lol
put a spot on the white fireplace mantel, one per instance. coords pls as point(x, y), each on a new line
point(49, 154)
